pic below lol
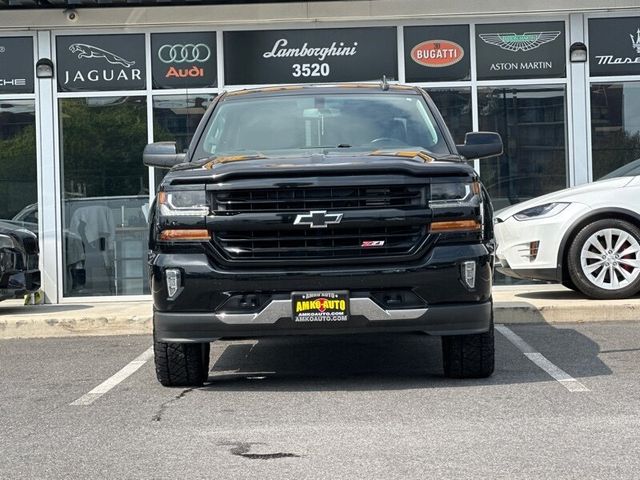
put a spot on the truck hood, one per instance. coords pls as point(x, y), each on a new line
point(413, 163)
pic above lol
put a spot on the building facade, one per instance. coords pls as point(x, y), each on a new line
point(83, 91)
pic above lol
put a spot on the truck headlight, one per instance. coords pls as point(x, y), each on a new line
point(541, 211)
point(454, 194)
point(183, 202)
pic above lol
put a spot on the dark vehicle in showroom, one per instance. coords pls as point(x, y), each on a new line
point(19, 273)
point(321, 210)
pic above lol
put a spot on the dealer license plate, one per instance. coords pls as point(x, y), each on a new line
point(320, 306)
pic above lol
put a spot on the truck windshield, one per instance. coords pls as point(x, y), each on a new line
point(287, 124)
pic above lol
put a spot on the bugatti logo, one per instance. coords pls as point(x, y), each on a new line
point(514, 42)
point(437, 53)
point(318, 219)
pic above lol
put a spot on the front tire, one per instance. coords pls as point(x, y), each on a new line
point(604, 259)
point(181, 364)
point(469, 356)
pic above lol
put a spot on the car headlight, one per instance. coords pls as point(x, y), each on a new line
point(183, 202)
point(9, 242)
point(541, 211)
point(454, 194)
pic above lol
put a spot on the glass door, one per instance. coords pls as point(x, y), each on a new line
point(105, 195)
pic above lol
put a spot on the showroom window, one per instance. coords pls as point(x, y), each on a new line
point(18, 162)
point(532, 124)
point(455, 106)
point(615, 126)
point(175, 118)
point(105, 195)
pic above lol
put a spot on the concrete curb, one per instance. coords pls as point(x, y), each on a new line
point(556, 304)
point(516, 313)
point(39, 321)
point(545, 304)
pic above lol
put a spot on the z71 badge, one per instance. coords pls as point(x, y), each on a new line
point(372, 243)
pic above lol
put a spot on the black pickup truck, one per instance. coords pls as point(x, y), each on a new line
point(304, 210)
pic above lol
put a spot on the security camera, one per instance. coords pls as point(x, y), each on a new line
point(71, 15)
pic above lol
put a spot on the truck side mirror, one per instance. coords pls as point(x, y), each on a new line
point(162, 155)
point(481, 145)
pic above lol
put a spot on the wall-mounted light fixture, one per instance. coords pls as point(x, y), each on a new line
point(44, 68)
point(578, 52)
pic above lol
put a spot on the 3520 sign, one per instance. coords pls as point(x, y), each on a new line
point(311, 70)
point(299, 56)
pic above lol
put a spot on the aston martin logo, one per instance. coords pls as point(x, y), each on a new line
point(318, 219)
point(514, 42)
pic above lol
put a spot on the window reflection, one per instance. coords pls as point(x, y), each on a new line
point(532, 124)
point(455, 106)
point(18, 163)
point(105, 196)
point(615, 126)
point(175, 118)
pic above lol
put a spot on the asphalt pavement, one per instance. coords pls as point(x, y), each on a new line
point(564, 402)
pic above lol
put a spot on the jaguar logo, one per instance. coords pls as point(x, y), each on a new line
point(89, 51)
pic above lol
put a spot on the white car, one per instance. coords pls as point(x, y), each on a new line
point(586, 237)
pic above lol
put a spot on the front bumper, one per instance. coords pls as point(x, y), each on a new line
point(434, 298)
point(514, 239)
point(366, 316)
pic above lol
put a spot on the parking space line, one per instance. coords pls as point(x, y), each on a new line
point(129, 369)
point(541, 361)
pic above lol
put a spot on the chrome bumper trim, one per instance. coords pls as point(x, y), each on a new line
point(277, 309)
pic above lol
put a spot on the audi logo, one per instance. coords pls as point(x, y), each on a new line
point(187, 53)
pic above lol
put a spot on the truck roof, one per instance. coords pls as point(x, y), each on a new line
point(323, 88)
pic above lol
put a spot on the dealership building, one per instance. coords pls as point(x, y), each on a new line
point(86, 84)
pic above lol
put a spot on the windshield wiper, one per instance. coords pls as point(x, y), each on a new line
point(340, 145)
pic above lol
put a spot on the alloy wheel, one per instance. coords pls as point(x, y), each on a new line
point(610, 258)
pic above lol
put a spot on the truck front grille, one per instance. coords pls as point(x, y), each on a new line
point(232, 202)
point(320, 243)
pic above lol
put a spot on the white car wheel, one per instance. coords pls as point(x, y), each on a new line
point(604, 259)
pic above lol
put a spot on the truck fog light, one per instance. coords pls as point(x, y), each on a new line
point(468, 271)
point(173, 281)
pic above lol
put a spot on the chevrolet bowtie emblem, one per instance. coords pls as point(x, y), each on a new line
point(318, 219)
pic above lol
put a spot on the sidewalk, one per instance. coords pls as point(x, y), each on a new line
point(540, 304)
